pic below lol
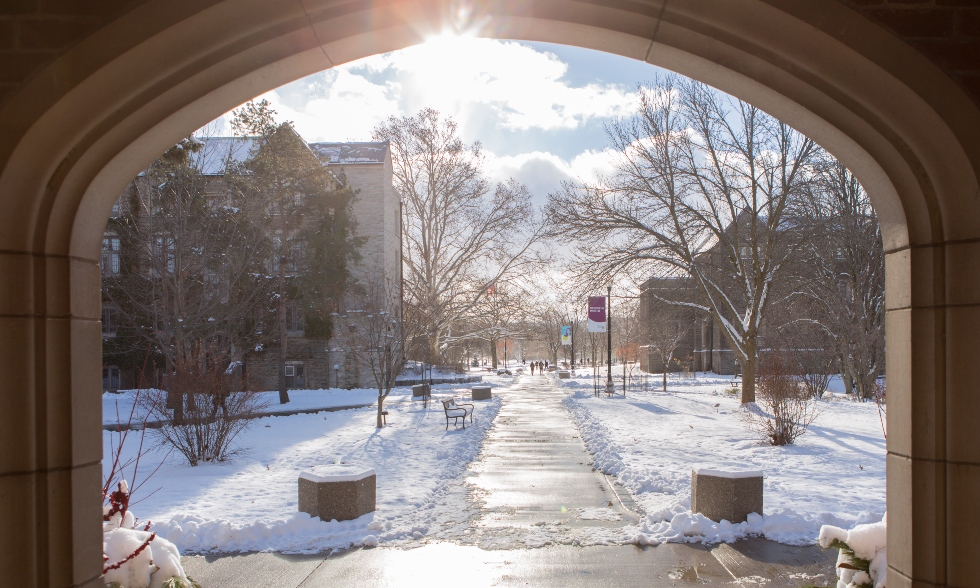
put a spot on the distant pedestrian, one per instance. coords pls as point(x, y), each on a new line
point(532, 368)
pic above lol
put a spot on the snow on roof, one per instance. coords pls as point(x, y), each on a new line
point(217, 152)
point(350, 153)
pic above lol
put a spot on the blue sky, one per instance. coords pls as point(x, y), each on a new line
point(537, 108)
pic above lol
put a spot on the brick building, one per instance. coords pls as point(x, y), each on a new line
point(310, 362)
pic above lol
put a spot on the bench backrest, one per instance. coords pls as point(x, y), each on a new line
point(449, 404)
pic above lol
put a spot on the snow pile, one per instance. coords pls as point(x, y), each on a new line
point(679, 525)
point(158, 562)
point(250, 503)
point(863, 558)
point(136, 558)
point(833, 475)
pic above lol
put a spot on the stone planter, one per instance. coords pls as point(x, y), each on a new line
point(730, 496)
point(420, 390)
point(481, 393)
point(343, 492)
point(564, 374)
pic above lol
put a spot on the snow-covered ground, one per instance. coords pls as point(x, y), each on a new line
point(116, 406)
point(250, 503)
point(834, 474)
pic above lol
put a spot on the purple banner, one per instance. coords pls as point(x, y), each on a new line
point(597, 314)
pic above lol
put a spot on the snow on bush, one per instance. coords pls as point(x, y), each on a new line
point(134, 558)
point(862, 561)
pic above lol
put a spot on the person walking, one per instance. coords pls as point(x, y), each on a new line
point(532, 368)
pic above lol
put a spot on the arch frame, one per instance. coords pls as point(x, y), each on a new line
point(78, 132)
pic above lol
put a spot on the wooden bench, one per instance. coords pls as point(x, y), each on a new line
point(457, 411)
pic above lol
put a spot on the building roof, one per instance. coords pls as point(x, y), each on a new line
point(217, 152)
point(350, 153)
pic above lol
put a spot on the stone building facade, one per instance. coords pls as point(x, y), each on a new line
point(315, 363)
point(310, 362)
point(704, 348)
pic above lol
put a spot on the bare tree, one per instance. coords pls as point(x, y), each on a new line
point(666, 327)
point(500, 314)
point(219, 406)
point(785, 410)
point(460, 233)
point(375, 334)
point(843, 277)
point(704, 188)
point(181, 263)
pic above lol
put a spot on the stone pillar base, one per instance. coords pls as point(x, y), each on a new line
point(341, 492)
point(729, 496)
point(481, 393)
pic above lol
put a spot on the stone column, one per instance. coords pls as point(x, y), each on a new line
point(50, 464)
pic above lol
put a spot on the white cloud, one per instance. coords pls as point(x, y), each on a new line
point(522, 88)
point(543, 172)
point(525, 87)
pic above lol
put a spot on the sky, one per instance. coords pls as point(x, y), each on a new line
point(539, 109)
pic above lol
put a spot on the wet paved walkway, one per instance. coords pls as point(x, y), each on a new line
point(535, 487)
point(534, 472)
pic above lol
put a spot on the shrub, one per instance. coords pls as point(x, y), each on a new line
point(217, 407)
point(784, 409)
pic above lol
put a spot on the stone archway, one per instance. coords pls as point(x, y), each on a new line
point(75, 133)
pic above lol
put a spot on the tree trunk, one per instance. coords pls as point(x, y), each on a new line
point(283, 393)
point(381, 403)
point(493, 353)
point(845, 376)
point(665, 374)
point(748, 376)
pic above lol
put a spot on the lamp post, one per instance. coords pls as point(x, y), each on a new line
point(610, 387)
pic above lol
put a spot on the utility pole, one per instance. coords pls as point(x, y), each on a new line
point(610, 387)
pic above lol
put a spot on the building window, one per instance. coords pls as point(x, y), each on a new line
point(165, 253)
point(295, 326)
point(109, 321)
point(111, 246)
point(295, 256)
point(110, 378)
point(295, 372)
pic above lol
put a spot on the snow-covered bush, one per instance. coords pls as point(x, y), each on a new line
point(862, 561)
point(137, 558)
point(783, 409)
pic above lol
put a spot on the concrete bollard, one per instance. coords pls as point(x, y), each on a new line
point(342, 491)
point(481, 393)
point(730, 496)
